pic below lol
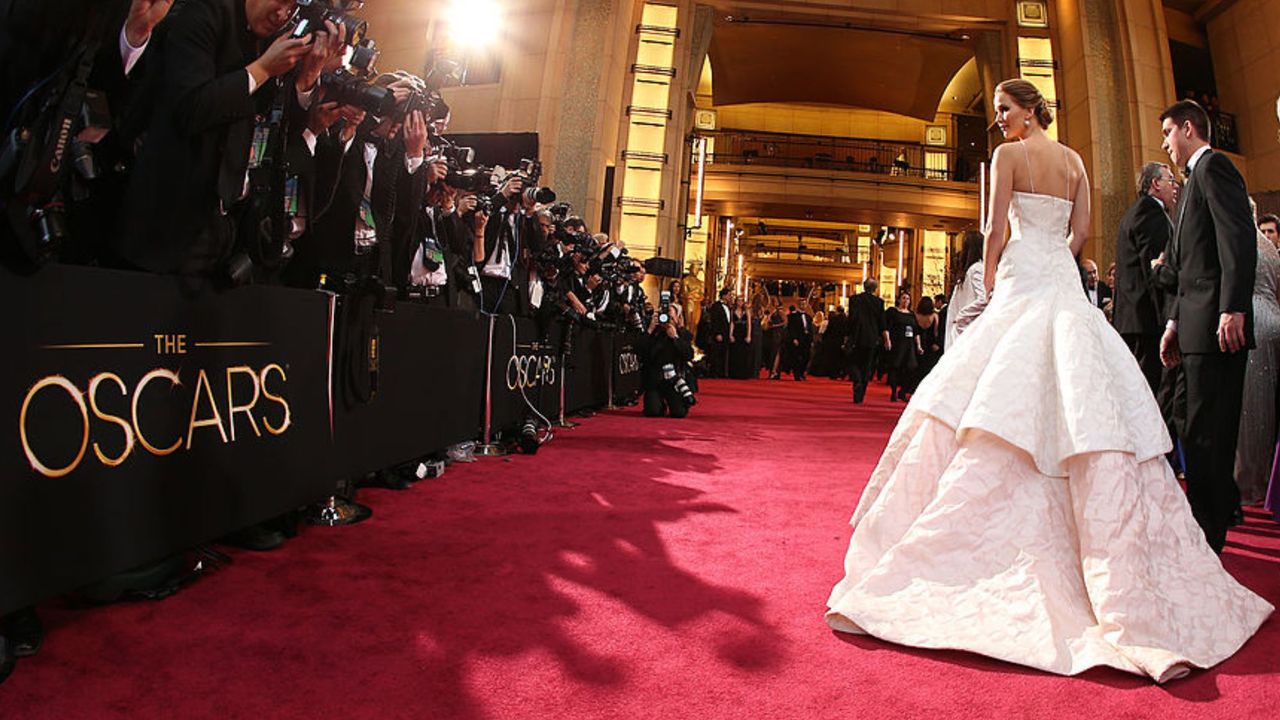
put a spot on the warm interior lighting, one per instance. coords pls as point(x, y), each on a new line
point(474, 24)
point(702, 166)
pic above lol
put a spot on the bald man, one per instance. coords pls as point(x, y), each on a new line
point(1097, 291)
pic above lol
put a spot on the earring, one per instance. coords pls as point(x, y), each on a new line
point(1026, 121)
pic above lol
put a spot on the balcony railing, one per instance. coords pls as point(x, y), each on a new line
point(907, 160)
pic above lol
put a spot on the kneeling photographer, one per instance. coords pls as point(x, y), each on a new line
point(665, 353)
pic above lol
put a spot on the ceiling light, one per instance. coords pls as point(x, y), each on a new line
point(474, 24)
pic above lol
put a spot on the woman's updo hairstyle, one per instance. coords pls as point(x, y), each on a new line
point(1028, 96)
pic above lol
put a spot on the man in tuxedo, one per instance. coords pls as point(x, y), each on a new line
point(219, 69)
point(799, 340)
point(719, 333)
point(1098, 292)
point(1210, 330)
point(1142, 236)
point(867, 334)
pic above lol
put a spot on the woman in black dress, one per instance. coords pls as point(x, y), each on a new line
point(904, 346)
point(930, 336)
point(740, 356)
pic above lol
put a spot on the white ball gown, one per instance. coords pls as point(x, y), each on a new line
point(1023, 508)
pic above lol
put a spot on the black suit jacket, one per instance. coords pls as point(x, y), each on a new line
point(1143, 234)
point(196, 149)
point(866, 320)
point(1215, 252)
point(719, 321)
point(800, 327)
point(341, 174)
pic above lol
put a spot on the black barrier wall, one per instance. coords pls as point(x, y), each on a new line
point(149, 414)
point(146, 415)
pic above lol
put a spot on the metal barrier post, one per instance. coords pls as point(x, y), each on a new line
point(488, 448)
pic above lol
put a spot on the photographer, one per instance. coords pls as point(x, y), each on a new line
point(440, 270)
point(370, 184)
point(496, 258)
point(665, 352)
point(67, 60)
point(220, 66)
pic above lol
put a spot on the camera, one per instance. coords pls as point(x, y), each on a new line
point(477, 180)
point(363, 58)
point(346, 88)
point(429, 103)
point(311, 15)
point(676, 380)
point(664, 307)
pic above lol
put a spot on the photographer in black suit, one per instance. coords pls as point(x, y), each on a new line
point(867, 334)
point(371, 181)
point(1215, 254)
point(665, 352)
point(218, 69)
point(1142, 236)
point(68, 60)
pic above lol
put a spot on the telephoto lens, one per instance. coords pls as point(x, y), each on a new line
point(528, 440)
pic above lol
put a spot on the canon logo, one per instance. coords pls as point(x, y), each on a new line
point(64, 135)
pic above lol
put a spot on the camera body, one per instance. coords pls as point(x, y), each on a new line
point(664, 307)
point(311, 16)
point(347, 88)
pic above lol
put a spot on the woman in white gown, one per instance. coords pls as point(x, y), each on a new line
point(1023, 508)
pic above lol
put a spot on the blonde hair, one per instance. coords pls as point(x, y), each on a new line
point(1028, 96)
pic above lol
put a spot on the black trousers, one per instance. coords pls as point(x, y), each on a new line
point(660, 401)
point(717, 359)
point(799, 358)
point(1211, 391)
point(1146, 350)
point(501, 297)
point(862, 366)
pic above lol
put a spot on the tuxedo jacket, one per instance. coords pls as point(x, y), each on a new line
point(196, 150)
point(866, 320)
point(800, 327)
point(1215, 253)
point(719, 321)
point(1143, 234)
point(1103, 294)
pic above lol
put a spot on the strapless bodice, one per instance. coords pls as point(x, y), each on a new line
point(1037, 258)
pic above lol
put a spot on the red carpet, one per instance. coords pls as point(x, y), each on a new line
point(634, 568)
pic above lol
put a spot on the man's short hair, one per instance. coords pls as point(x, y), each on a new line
point(1269, 218)
point(1189, 111)
point(870, 284)
point(723, 292)
point(1147, 176)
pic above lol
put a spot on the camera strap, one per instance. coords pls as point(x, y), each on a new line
point(41, 169)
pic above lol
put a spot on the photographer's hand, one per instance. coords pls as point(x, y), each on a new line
point(671, 330)
point(327, 44)
point(512, 187)
point(144, 15)
point(437, 170)
point(279, 59)
point(322, 116)
point(466, 204)
point(415, 135)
